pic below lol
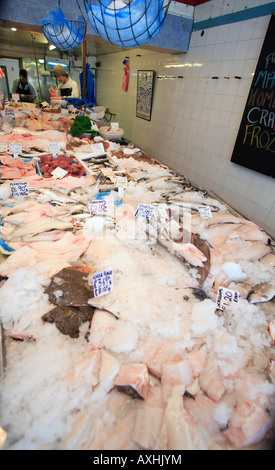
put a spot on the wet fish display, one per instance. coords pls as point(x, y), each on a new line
point(114, 330)
point(263, 292)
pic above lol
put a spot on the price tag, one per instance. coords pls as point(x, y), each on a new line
point(145, 211)
point(109, 173)
point(15, 97)
point(54, 148)
point(103, 283)
point(114, 125)
point(59, 173)
point(3, 147)
point(97, 149)
point(19, 189)
point(94, 127)
point(6, 127)
point(98, 207)
point(15, 149)
point(9, 113)
point(205, 212)
point(121, 182)
point(226, 298)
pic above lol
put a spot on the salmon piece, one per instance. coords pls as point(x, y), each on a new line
point(135, 376)
point(183, 432)
point(108, 371)
point(202, 410)
point(211, 381)
point(103, 323)
point(197, 361)
point(249, 424)
point(121, 434)
point(165, 353)
point(86, 370)
point(147, 426)
point(176, 373)
point(155, 397)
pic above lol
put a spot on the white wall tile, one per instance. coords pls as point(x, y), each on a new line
point(195, 120)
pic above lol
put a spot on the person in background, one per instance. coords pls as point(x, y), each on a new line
point(68, 87)
point(21, 86)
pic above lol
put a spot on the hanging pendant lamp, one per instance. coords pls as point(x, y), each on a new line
point(64, 34)
point(127, 23)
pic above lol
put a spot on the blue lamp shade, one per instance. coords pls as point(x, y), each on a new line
point(64, 34)
point(127, 23)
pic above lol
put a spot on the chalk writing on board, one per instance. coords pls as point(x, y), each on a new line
point(255, 143)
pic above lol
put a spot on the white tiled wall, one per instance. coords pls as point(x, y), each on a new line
point(195, 119)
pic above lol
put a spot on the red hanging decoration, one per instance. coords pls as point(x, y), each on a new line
point(126, 77)
point(1, 73)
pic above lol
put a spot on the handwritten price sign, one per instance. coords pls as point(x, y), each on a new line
point(98, 207)
point(145, 211)
point(103, 283)
point(15, 149)
point(54, 148)
point(19, 189)
point(226, 298)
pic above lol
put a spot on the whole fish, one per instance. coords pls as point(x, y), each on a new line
point(157, 180)
point(263, 292)
point(55, 195)
point(192, 205)
point(43, 225)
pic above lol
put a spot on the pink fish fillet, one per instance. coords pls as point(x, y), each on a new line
point(120, 437)
point(176, 373)
point(103, 323)
point(135, 376)
point(202, 409)
point(219, 218)
point(86, 370)
point(247, 251)
point(147, 426)
point(183, 432)
point(248, 425)
point(211, 381)
point(165, 353)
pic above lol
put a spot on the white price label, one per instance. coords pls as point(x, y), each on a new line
point(226, 298)
point(54, 148)
point(19, 189)
point(94, 127)
point(145, 211)
point(114, 125)
point(109, 173)
point(98, 149)
point(3, 147)
point(103, 283)
point(59, 173)
point(205, 212)
point(9, 113)
point(98, 206)
point(121, 182)
point(6, 127)
point(15, 97)
point(15, 149)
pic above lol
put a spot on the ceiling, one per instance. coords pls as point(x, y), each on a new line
point(29, 41)
point(33, 42)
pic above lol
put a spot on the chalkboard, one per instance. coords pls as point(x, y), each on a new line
point(255, 143)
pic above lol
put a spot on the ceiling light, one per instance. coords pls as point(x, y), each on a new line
point(51, 47)
point(41, 61)
point(13, 29)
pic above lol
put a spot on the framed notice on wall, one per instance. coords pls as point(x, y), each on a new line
point(145, 83)
point(255, 144)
